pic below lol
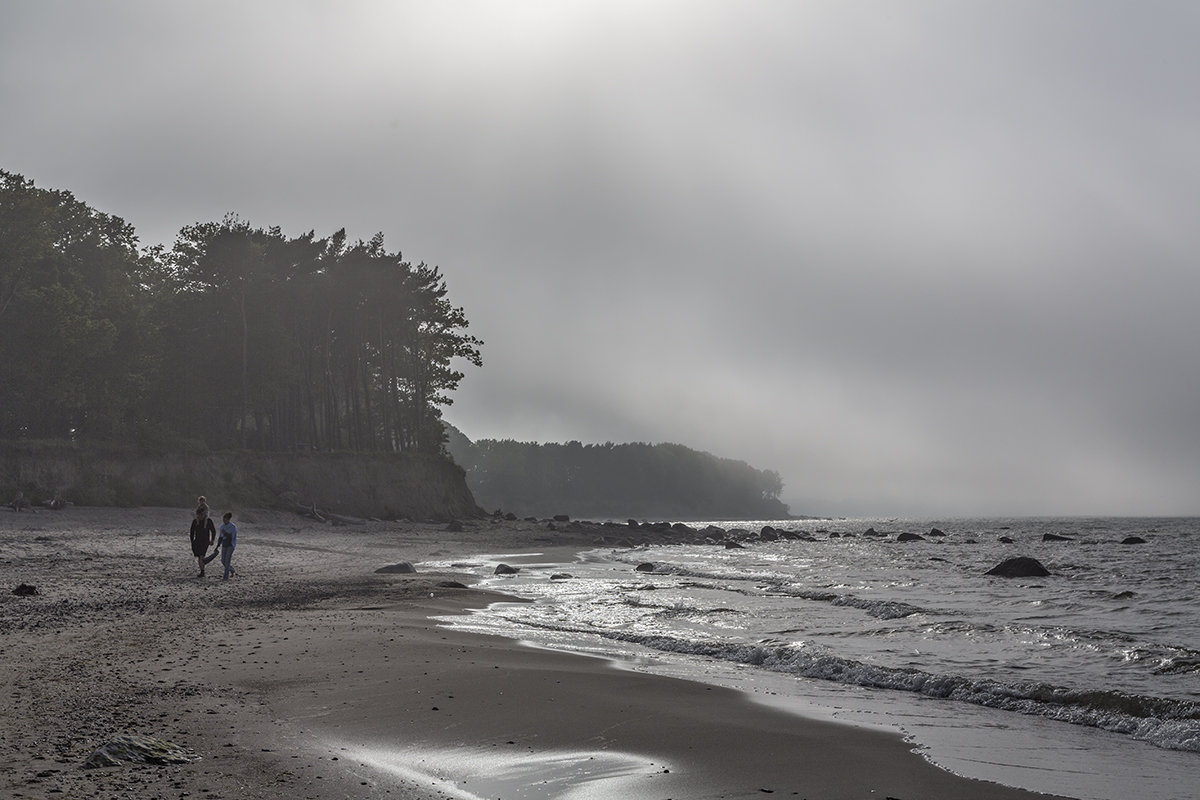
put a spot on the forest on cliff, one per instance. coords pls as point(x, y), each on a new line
point(607, 481)
point(236, 337)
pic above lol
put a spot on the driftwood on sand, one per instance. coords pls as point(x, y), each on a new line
point(290, 501)
point(312, 512)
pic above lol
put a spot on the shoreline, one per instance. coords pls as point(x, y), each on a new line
point(308, 675)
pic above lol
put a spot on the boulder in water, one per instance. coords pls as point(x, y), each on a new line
point(910, 537)
point(1133, 540)
point(644, 567)
point(1054, 537)
point(1019, 567)
point(505, 569)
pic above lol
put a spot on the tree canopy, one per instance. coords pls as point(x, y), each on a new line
point(667, 481)
point(237, 336)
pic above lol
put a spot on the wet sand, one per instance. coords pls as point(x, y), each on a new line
point(309, 675)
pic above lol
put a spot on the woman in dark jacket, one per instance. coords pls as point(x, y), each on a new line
point(203, 534)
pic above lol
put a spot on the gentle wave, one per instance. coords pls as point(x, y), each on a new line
point(1171, 660)
point(882, 609)
point(1164, 722)
point(1108, 642)
point(1179, 664)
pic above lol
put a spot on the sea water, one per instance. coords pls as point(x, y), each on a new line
point(1084, 683)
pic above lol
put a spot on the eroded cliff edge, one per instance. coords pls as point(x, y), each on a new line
point(383, 485)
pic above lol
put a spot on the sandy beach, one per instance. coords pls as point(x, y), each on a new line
point(310, 675)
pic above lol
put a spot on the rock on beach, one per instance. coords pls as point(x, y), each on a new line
point(404, 567)
point(128, 748)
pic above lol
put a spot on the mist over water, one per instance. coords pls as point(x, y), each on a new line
point(919, 258)
point(1085, 683)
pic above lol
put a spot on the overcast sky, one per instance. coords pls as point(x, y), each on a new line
point(927, 258)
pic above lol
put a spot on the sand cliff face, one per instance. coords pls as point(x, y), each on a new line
point(384, 485)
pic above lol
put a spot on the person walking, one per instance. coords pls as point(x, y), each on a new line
point(228, 541)
point(203, 534)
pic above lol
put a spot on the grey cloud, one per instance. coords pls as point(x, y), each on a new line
point(922, 258)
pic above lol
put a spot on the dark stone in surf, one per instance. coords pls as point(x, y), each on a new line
point(1005, 540)
point(734, 546)
point(25, 590)
point(402, 567)
point(645, 566)
point(451, 585)
point(1133, 540)
point(935, 532)
point(561, 576)
point(505, 569)
point(1054, 537)
point(1019, 567)
point(910, 537)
